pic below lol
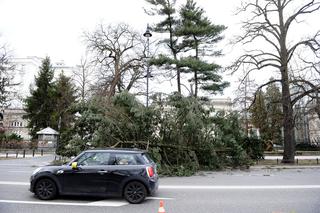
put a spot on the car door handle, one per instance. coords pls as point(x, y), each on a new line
point(101, 172)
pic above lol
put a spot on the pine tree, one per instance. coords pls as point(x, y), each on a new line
point(63, 115)
point(259, 115)
point(200, 35)
point(39, 106)
point(168, 25)
point(275, 116)
point(65, 97)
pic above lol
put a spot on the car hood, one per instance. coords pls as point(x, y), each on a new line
point(53, 168)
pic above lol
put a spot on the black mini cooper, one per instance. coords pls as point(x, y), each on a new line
point(113, 172)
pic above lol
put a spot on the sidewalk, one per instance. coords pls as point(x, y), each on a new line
point(285, 166)
point(299, 157)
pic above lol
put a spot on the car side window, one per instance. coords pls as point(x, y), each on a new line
point(94, 159)
point(125, 159)
point(146, 158)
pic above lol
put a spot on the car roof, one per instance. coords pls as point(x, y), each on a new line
point(117, 150)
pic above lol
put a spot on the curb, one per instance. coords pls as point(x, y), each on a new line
point(285, 167)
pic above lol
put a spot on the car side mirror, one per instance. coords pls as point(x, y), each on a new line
point(74, 165)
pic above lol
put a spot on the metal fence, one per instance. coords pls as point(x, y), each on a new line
point(23, 153)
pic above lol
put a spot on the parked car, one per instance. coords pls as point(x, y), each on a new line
point(129, 173)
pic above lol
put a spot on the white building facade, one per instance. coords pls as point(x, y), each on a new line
point(13, 122)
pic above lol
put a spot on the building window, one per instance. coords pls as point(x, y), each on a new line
point(16, 124)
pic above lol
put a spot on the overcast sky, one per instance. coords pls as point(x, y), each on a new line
point(55, 27)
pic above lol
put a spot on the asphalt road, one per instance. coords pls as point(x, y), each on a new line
point(257, 190)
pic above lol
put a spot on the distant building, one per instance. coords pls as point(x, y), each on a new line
point(301, 124)
point(221, 104)
point(314, 128)
point(307, 124)
point(25, 71)
point(47, 138)
point(14, 123)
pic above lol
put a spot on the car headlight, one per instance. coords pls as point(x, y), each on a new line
point(36, 170)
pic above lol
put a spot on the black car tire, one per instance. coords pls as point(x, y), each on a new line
point(46, 189)
point(135, 192)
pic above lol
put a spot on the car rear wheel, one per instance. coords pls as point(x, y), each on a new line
point(45, 189)
point(135, 192)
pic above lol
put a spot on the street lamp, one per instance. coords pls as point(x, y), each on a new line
point(148, 34)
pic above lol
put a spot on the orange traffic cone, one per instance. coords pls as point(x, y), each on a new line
point(161, 208)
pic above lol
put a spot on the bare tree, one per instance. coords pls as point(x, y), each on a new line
point(245, 94)
point(119, 54)
point(7, 69)
point(270, 22)
point(83, 77)
point(307, 81)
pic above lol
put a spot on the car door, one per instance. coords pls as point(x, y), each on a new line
point(122, 166)
point(88, 177)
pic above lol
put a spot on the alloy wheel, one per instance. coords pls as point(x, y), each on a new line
point(135, 192)
point(46, 189)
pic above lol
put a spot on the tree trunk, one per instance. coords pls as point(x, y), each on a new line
point(178, 73)
point(317, 107)
point(245, 107)
point(178, 80)
point(173, 50)
point(115, 80)
point(288, 121)
point(196, 84)
point(196, 72)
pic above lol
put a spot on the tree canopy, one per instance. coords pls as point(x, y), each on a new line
point(40, 105)
point(192, 39)
point(271, 22)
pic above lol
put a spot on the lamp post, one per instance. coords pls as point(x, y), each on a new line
point(148, 34)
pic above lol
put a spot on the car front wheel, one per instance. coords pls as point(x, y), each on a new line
point(45, 189)
point(135, 192)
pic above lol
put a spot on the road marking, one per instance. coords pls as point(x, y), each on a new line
point(205, 186)
point(25, 165)
point(100, 203)
point(108, 203)
point(13, 164)
point(14, 183)
point(29, 172)
point(159, 198)
point(97, 204)
point(240, 187)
